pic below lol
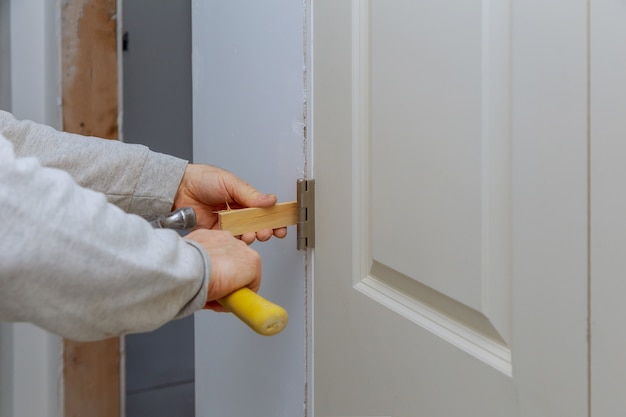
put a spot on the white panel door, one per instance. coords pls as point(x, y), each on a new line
point(451, 266)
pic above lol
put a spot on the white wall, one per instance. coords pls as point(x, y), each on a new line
point(6, 370)
point(249, 106)
point(5, 57)
point(35, 51)
point(608, 206)
point(30, 357)
point(6, 330)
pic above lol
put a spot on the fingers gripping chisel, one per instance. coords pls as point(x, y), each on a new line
point(261, 315)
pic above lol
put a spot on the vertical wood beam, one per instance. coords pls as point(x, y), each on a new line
point(91, 371)
point(89, 61)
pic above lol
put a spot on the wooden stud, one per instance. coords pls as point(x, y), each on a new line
point(91, 371)
point(241, 221)
point(89, 63)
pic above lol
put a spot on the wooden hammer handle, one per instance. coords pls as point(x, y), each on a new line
point(261, 315)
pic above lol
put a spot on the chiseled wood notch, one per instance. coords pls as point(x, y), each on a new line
point(91, 371)
point(241, 221)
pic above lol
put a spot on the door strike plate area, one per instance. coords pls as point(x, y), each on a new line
point(300, 213)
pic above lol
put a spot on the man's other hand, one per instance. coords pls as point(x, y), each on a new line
point(209, 189)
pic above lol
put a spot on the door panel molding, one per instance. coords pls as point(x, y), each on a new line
point(363, 346)
point(459, 334)
point(479, 325)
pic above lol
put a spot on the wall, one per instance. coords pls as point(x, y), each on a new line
point(157, 75)
point(6, 329)
point(29, 357)
point(249, 106)
point(157, 113)
point(5, 56)
point(35, 51)
point(6, 370)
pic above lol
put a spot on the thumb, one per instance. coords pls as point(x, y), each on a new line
point(248, 196)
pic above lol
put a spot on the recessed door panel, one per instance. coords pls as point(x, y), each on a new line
point(433, 148)
point(450, 267)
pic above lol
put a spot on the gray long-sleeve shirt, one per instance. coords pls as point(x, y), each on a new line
point(76, 256)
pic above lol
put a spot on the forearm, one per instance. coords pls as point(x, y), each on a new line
point(131, 176)
point(80, 267)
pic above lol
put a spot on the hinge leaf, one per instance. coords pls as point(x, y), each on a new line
point(306, 214)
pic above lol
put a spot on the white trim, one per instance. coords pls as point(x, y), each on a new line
point(5, 55)
point(457, 334)
point(120, 70)
point(120, 136)
point(360, 138)
point(35, 372)
point(6, 369)
point(34, 361)
point(35, 63)
point(309, 172)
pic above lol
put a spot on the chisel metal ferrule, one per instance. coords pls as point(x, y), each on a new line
point(181, 219)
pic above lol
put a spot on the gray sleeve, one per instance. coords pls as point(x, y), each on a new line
point(131, 176)
point(78, 266)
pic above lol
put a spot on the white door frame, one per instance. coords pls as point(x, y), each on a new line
point(250, 112)
point(30, 357)
point(607, 207)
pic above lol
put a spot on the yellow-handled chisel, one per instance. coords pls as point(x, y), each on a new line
point(261, 315)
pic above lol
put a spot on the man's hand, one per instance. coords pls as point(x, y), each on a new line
point(209, 189)
point(234, 264)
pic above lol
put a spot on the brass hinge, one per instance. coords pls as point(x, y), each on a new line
point(306, 214)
